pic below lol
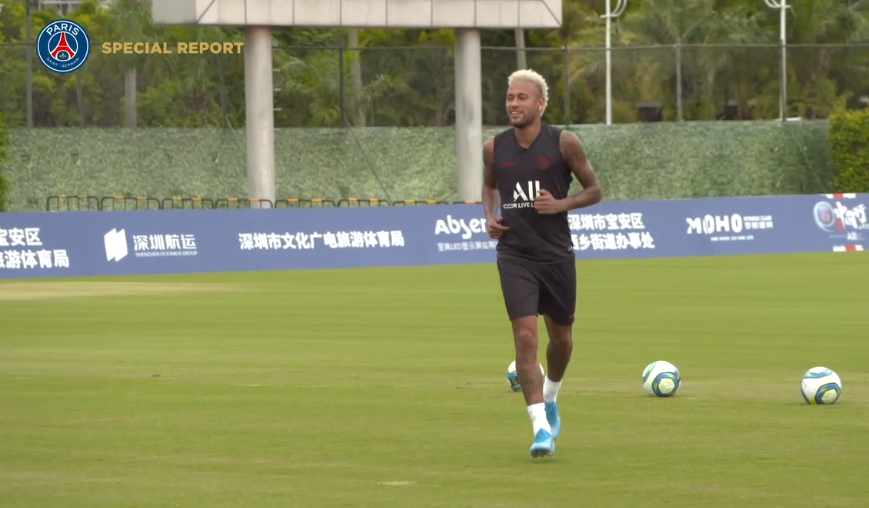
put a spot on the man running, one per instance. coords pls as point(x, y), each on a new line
point(528, 169)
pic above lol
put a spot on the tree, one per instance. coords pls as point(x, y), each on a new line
point(673, 67)
point(129, 21)
point(818, 77)
point(406, 77)
point(849, 140)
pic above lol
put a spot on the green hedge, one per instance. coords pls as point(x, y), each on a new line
point(849, 149)
point(634, 162)
point(5, 187)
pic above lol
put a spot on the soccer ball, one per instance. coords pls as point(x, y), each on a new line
point(661, 379)
point(821, 385)
point(513, 377)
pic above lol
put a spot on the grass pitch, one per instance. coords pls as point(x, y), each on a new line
point(387, 388)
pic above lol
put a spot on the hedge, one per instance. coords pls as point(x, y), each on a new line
point(849, 150)
point(5, 187)
point(634, 162)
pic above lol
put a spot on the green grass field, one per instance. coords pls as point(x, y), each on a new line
point(387, 388)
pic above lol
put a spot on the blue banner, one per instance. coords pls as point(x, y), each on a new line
point(73, 244)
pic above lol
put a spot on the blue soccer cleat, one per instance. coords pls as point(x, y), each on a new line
point(553, 418)
point(544, 445)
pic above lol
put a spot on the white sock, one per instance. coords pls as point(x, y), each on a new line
point(550, 390)
point(537, 412)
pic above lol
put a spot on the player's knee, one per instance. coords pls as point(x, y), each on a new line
point(562, 335)
point(563, 342)
point(526, 340)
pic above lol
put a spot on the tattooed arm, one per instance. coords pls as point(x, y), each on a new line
point(491, 198)
point(574, 155)
point(490, 188)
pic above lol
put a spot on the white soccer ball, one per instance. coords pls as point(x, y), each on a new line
point(821, 385)
point(661, 379)
point(513, 377)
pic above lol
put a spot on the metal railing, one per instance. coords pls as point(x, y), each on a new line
point(85, 202)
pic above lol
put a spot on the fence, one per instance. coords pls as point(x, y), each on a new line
point(414, 87)
point(84, 202)
point(376, 121)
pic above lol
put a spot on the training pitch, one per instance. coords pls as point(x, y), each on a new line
point(387, 388)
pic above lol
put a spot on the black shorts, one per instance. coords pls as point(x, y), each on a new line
point(532, 289)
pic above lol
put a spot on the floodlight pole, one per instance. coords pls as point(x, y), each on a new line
point(782, 6)
point(611, 13)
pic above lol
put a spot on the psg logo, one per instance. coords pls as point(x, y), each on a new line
point(63, 46)
point(825, 217)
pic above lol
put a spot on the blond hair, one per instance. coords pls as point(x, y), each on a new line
point(534, 78)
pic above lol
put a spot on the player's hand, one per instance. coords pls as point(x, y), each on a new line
point(496, 229)
point(546, 204)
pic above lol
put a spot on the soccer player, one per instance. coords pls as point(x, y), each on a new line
point(528, 169)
